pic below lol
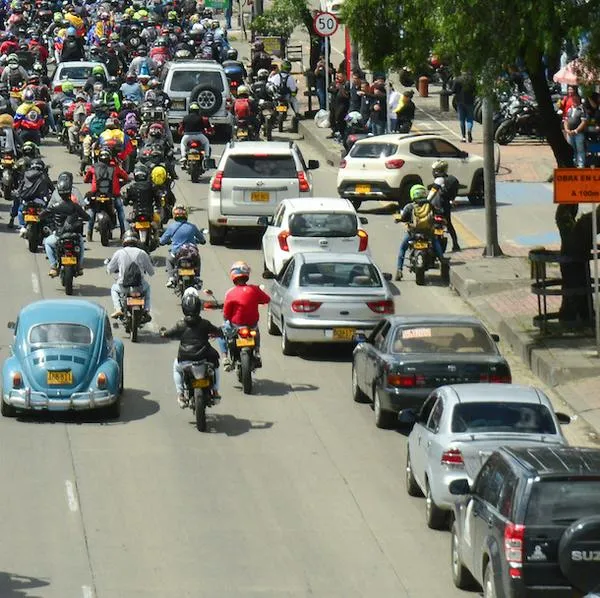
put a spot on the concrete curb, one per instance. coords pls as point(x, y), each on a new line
point(332, 157)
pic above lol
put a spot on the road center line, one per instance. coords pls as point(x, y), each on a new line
point(71, 496)
point(35, 283)
point(87, 592)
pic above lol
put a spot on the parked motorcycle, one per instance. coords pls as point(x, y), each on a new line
point(106, 216)
point(68, 248)
point(521, 117)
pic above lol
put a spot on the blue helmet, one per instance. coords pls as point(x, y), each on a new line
point(71, 32)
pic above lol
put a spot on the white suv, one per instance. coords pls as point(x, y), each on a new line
point(251, 179)
point(201, 81)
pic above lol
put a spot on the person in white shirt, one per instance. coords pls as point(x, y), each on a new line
point(282, 82)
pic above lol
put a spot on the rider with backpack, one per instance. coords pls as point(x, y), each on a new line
point(130, 264)
point(245, 109)
point(446, 187)
point(418, 215)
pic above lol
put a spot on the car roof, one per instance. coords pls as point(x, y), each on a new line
point(483, 392)
point(396, 138)
point(260, 147)
point(186, 65)
point(440, 319)
point(312, 204)
point(556, 461)
point(78, 311)
point(317, 257)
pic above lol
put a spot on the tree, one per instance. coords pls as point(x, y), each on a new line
point(484, 36)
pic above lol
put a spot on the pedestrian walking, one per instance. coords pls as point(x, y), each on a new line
point(464, 91)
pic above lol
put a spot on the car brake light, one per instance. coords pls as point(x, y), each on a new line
point(403, 380)
point(305, 306)
point(217, 181)
point(394, 163)
point(496, 378)
point(57, 88)
point(363, 239)
point(282, 238)
point(384, 306)
point(17, 380)
point(514, 534)
point(351, 137)
point(452, 457)
point(343, 163)
point(101, 380)
point(302, 182)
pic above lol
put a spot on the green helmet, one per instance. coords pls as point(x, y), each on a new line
point(67, 87)
point(97, 70)
point(286, 66)
point(418, 193)
point(57, 17)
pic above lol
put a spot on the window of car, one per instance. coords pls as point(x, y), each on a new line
point(562, 501)
point(423, 148)
point(373, 150)
point(187, 80)
point(380, 337)
point(427, 407)
point(507, 496)
point(322, 224)
point(444, 149)
point(286, 275)
point(74, 72)
point(60, 334)
point(433, 423)
point(108, 336)
point(495, 416)
point(260, 167)
point(436, 338)
point(490, 481)
point(339, 274)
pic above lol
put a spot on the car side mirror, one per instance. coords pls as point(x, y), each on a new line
point(495, 338)
point(387, 276)
point(464, 155)
point(264, 220)
point(359, 337)
point(12, 325)
point(363, 220)
point(268, 275)
point(313, 164)
point(408, 417)
point(210, 163)
point(459, 487)
point(563, 418)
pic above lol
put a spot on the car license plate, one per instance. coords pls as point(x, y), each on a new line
point(193, 156)
point(178, 104)
point(200, 383)
point(343, 334)
point(420, 245)
point(281, 109)
point(68, 260)
point(186, 272)
point(260, 196)
point(363, 188)
point(142, 225)
point(31, 218)
point(244, 342)
point(135, 301)
point(60, 378)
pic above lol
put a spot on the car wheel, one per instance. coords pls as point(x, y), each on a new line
point(434, 516)
point(476, 194)
point(357, 394)
point(489, 585)
point(383, 419)
point(216, 234)
point(461, 576)
point(412, 488)
point(271, 326)
point(7, 410)
point(287, 347)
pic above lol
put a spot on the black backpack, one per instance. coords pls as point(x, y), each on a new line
point(132, 277)
point(104, 176)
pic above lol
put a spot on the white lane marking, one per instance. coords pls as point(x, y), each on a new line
point(71, 496)
point(87, 592)
point(35, 283)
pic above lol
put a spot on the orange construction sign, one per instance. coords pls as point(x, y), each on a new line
point(577, 185)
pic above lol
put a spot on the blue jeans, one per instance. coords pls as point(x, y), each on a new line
point(50, 247)
point(120, 215)
point(117, 293)
point(437, 248)
point(178, 376)
point(465, 117)
point(378, 127)
point(577, 142)
point(50, 116)
point(320, 88)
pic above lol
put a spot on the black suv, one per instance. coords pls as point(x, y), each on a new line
point(530, 524)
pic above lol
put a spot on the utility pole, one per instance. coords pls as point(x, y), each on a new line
point(492, 247)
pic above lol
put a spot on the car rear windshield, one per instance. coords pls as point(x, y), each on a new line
point(373, 150)
point(260, 167)
point(443, 339)
point(322, 224)
point(75, 72)
point(60, 334)
point(562, 502)
point(332, 274)
point(187, 80)
point(524, 418)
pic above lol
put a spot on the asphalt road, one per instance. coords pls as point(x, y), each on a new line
point(294, 492)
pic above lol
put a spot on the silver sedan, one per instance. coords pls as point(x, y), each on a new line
point(459, 426)
point(327, 298)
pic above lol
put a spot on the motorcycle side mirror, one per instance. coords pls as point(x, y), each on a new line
point(208, 292)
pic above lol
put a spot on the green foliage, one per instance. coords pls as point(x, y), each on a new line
point(281, 18)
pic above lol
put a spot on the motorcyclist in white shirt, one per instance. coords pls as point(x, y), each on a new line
point(284, 83)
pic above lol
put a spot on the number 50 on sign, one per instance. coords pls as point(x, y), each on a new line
point(325, 24)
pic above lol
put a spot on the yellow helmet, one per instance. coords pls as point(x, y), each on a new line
point(6, 120)
point(158, 176)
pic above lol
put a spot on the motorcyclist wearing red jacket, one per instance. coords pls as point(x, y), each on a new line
point(240, 307)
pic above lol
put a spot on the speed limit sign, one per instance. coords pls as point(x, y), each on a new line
point(325, 24)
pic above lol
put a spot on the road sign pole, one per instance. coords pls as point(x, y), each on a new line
point(327, 76)
point(596, 285)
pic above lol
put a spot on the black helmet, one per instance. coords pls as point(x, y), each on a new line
point(37, 164)
point(191, 304)
point(232, 54)
point(130, 239)
point(104, 155)
point(64, 184)
point(140, 173)
point(259, 46)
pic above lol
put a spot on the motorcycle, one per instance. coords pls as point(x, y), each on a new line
point(187, 269)
point(146, 226)
point(266, 116)
point(194, 160)
point(281, 112)
point(521, 117)
point(36, 230)
point(132, 306)
point(8, 175)
point(68, 248)
point(106, 217)
point(422, 256)
point(241, 346)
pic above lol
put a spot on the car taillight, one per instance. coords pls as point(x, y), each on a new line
point(394, 163)
point(351, 137)
point(305, 306)
point(302, 182)
point(496, 378)
point(217, 181)
point(384, 306)
point(363, 239)
point(514, 534)
point(57, 88)
point(282, 238)
point(343, 163)
point(452, 457)
point(405, 380)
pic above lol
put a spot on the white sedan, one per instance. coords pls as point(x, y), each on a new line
point(326, 224)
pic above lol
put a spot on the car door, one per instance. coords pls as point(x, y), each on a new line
point(280, 288)
point(430, 430)
point(423, 157)
point(458, 164)
point(376, 356)
point(416, 439)
point(360, 356)
point(269, 241)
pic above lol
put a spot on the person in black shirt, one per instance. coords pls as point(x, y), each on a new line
point(194, 126)
point(464, 90)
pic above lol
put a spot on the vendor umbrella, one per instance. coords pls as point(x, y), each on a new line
point(576, 72)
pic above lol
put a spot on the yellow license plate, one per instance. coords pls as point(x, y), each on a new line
point(103, 198)
point(193, 157)
point(68, 261)
point(260, 196)
point(363, 188)
point(135, 301)
point(244, 342)
point(186, 272)
point(242, 133)
point(30, 218)
point(142, 225)
point(200, 383)
point(134, 142)
point(8, 161)
point(281, 109)
point(60, 378)
point(343, 334)
point(420, 246)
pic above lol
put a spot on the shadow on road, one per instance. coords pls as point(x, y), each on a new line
point(91, 290)
point(232, 426)
point(19, 586)
point(327, 352)
point(273, 388)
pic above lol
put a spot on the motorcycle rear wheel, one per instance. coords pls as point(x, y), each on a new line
point(68, 272)
point(201, 403)
point(420, 276)
point(195, 172)
point(32, 238)
point(246, 371)
point(104, 236)
point(135, 323)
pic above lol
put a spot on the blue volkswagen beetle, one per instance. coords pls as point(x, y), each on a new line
point(63, 357)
